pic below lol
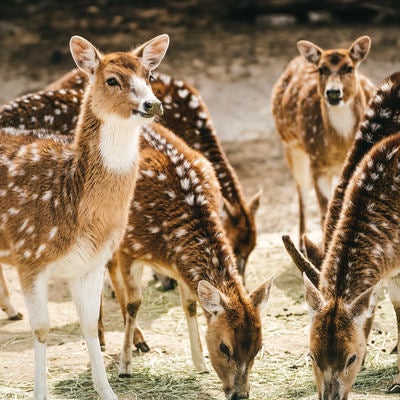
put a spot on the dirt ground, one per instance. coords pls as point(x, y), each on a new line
point(234, 65)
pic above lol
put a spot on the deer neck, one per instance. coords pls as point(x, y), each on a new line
point(341, 118)
point(110, 140)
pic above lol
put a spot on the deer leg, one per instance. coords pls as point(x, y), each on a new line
point(37, 308)
point(323, 191)
point(100, 327)
point(299, 165)
point(86, 294)
point(132, 277)
point(5, 303)
point(118, 283)
point(189, 304)
point(394, 294)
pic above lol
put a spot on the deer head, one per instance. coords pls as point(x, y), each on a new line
point(337, 69)
point(231, 350)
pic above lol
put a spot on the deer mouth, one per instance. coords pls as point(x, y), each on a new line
point(142, 114)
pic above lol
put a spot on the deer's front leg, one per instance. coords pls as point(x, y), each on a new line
point(189, 304)
point(36, 305)
point(132, 277)
point(119, 263)
point(86, 294)
point(394, 294)
point(323, 191)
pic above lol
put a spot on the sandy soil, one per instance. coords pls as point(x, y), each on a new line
point(234, 65)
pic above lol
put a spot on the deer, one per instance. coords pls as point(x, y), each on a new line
point(181, 184)
point(65, 207)
point(317, 104)
point(191, 247)
point(187, 115)
point(163, 192)
point(347, 237)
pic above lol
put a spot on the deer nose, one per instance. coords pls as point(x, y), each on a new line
point(334, 96)
point(153, 107)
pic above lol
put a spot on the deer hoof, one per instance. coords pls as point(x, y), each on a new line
point(143, 347)
point(16, 317)
point(395, 388)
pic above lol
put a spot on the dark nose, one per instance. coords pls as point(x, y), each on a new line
point(153, 107)
point(334, 95)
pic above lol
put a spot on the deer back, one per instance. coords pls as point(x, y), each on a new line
point(363, 251)
point(381, 119)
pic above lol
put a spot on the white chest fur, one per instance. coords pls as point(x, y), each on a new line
point(119, 140)
point(342, 119)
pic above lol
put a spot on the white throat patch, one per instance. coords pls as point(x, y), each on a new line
point(119, 141)
point(342, 118)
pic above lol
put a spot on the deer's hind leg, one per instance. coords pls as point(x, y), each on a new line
point(5, 303)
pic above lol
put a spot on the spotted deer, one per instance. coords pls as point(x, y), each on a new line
point(65, 207)
point(187, 116)
point(190, 246)
point(317, 104)
point(170, 173)
point(360, 248)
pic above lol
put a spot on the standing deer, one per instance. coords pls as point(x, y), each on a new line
point(65, 207)
point(317, 104)
point(187, 116)
point(360, 248)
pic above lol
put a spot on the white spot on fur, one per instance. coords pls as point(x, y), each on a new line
point(53, 232)
point(46, 195)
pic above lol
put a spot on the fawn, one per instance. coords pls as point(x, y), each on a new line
point(360, 247)
point(317, 104)
point(187, 116)
point(65, 207)
point(163, 192)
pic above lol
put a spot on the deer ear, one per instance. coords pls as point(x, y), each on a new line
point(229, 209)
point(310, 51)
point(314, 300)
point(360, 48)
point(313, 252)
point(260, 295)
point(153, 51)
point(85, 55)
point(210, 298)
point(363, 306)
point(254, 203)
point(304, 265)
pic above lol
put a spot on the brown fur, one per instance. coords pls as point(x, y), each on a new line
point(314, 144)
point(64, 206)
point(188, 117)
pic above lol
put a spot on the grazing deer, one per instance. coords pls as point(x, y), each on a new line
point(188, 117)
point(178, 186)
point(361, 241)
point(191, 247)
point(317, 104)
point(65, 207)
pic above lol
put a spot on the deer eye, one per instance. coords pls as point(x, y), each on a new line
point(324, 70)
point(112, 82)
point(225, 350)
point(351, 360)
